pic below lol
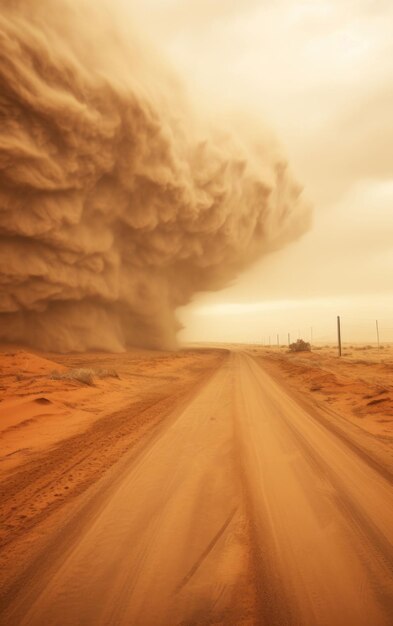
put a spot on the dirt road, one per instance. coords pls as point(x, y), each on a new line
point(244, 509)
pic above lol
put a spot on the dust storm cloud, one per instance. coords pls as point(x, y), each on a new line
point(118, 199)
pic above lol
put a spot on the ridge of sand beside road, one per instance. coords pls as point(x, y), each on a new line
point(359, 385)
point(354, 398)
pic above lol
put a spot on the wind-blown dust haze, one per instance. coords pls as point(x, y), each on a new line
point(118, 199)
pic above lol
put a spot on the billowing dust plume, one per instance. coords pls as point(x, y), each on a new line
point(117, 203)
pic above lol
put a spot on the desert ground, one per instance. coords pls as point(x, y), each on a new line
point(214, 485)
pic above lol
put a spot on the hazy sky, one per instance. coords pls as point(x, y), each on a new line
point(320, 73)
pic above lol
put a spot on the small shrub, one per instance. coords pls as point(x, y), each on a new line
point(82, 375)
point(300, 346)
point(107, 373)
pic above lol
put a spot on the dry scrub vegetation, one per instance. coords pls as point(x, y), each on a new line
point(300, 346)
point(84, 375)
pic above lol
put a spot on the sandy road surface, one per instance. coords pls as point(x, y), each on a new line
point(244, 510)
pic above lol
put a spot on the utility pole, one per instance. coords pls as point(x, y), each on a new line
point(278, 341)
point(289, 339)
point(339, 334)
point(376, 324)
point(269, 341)
point(311, 335)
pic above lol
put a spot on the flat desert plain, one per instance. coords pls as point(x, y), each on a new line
point(213, 485)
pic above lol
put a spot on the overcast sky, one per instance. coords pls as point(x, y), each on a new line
point(320, 73)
